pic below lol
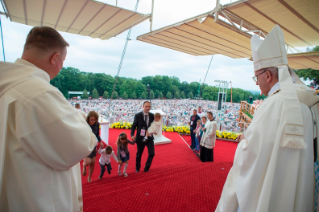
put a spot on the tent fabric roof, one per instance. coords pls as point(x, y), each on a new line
point(230, 36)
point(206, 38)
point(304, 60)
point(84, 17)
point(298, 19)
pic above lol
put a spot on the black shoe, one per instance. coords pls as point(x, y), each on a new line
point(146, 170)
point(100, 177)
point(137, 170)
point(109, 171)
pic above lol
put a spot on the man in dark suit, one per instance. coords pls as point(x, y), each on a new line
point(142, 121)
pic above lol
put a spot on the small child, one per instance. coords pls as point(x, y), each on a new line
point(105, 159)
point(154, 128)
point(123, 154)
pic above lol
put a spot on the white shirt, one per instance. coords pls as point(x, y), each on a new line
point(106, 158)
point(147, 118)
point(154, 128)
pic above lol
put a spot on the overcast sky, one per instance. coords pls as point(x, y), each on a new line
point(141, 59)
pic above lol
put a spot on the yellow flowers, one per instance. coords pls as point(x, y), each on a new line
point(127, 125)
point(227, 135)
point(121, 125)
point(179, 129)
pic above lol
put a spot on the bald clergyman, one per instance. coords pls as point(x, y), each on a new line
point(42, 137)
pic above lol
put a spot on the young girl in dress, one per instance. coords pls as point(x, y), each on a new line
point(123, 155)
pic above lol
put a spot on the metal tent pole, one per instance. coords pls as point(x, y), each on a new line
point(4, 56)
point(151, 26)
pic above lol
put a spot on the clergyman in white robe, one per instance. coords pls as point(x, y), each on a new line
point(273, 168)
point(41, 137)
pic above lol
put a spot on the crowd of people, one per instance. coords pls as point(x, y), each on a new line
point(177, 111)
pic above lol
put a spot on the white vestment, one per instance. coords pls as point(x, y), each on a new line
point(42, 138)
point(82, 113)
point(266, 176)
point(209, 136)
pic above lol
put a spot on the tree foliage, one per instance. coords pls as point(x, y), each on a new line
point(143, 95)
point(177, 95)
point(309, 74)
point(182, 95)
point(105, 95)
point(152, 94)
point(85, 94)
point(72, 79)
point(168, 95)
point(190, 95)
point(125, 95)
point(115, 95)
point(95, 94)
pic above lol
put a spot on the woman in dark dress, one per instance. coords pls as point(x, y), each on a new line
point(92, 119)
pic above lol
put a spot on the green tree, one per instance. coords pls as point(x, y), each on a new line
point(125, 96)
point(168, 95)
point(85, 94)
point(115, 95)
point(133, 95)
point(152, 94)
point(105, 95)
point(309, 73)
point(143, 95)
point(190, 95)
point(160, 95)
point(177, 95)
point(182, 95)
point(95, 94)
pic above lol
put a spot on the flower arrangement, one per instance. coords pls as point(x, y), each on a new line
point(227, 135)
point(179, 129)
point(128, 125)
point(121, 125)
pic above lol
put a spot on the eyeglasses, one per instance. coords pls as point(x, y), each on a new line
point(255, 78)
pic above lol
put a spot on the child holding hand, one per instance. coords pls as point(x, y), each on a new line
point(123, 154)
point(105, 159)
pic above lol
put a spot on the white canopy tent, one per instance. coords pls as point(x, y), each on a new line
point(227, 29)
point(83, 17)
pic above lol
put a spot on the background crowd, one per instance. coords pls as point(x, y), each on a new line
point(177, 111)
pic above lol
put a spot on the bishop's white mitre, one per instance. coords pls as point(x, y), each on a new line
point(271, 52)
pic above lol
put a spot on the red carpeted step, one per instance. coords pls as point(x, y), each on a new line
point(177, 180)
point(141, 177)
point(196, 189)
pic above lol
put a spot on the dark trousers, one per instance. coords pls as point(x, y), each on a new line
point(206, 155)
point(193, 145)
point(151, 153)
point(108, 167)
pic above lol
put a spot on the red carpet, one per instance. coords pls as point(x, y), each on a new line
point(177, 180)
point(223, 150)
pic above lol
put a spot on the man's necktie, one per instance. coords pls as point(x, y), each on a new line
point(145, 119)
